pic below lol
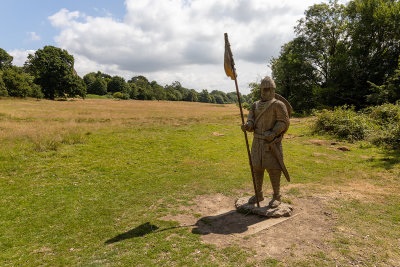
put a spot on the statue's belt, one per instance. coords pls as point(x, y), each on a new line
point(260, 136)
point(268, 144)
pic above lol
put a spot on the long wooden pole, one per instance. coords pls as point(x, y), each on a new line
point(241, 114)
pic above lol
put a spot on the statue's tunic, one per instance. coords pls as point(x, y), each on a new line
point(266, 116)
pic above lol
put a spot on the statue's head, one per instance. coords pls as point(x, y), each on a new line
point(267, 89)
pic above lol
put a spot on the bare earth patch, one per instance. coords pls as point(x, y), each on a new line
point(308, 228)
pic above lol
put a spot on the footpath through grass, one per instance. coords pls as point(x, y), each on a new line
point(86, 183)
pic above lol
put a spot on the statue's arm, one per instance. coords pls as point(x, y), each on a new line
point(251, 118)
point(282, 119)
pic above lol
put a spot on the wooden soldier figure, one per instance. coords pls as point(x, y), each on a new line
point(269, 120)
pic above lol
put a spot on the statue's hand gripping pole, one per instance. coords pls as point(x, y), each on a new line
point(230, 71)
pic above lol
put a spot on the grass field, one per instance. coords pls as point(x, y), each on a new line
point(100, 181)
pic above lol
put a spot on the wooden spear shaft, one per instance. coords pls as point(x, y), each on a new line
point(241, 114)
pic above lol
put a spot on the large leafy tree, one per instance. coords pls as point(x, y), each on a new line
point(295, 76)
point(96, 82)
point(205, 97)
point(5, 59)
point(53, 69)
point(142, 88)
point(389, 92)
point(20, 83)
point(375, 42)
point(322, 30)
point(338, 52)
point(192, 96)
point(158, 91)
point(117, 84)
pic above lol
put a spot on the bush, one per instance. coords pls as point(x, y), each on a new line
point(385, 114)
point(343, 122)
point(388, 138)
point(387, 120)
point(120, 95)
point(379, 125)
point(117, 95)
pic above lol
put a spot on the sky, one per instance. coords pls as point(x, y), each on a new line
point(164, 40)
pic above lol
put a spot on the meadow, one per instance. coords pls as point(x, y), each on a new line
point(103, 182)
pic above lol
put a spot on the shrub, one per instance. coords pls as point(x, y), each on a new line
point(379, 125)
point(117, 95)
point(342, 122)
point(120, 95)
point(385, 114)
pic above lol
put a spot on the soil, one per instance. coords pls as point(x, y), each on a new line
point(333, 145)
point(310, 226)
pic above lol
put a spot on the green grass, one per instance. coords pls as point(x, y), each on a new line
point(91, 96)
point(97, 198)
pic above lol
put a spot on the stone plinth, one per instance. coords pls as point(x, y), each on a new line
point(283, 210)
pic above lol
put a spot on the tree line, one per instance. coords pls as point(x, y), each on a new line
point(49, 73)
point(140, 88)
point(342, 54)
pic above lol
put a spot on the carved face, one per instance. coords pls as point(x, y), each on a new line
point(267, 93)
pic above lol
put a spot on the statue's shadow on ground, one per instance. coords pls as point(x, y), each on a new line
point(231, 222)
point(139, 231)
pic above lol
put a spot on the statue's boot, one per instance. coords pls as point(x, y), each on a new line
point(259, 178)
point(275, 177)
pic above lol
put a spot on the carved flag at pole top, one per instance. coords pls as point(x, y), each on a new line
point(228, 60)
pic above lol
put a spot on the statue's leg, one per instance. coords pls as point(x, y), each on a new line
point(259, 178)
point(275, 177)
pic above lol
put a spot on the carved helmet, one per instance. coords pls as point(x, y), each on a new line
point(268, 82)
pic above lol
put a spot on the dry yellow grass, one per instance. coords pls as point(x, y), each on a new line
point(47, 123)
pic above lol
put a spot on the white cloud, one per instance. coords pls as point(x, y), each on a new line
point(181, 39)
point(20, 56)
point(33, 36)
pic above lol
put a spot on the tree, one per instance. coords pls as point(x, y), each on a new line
point(158, 91)
point(389, 92)
point(220, 97)
point(5, 59)
point(117, 84)
point(178, 87)
point(36, 92)
point(191, 96)
point(232, 97)
point(294, 75)
point(205, 97)
point(53, 69)
point(89, 79)
point(133, 92)
point(97, 87)
point(375, 42)
point(17, 82)
point(143, 87)
point(338, 52)
point(96, 82)
point(322, 30)
point(3, 89)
